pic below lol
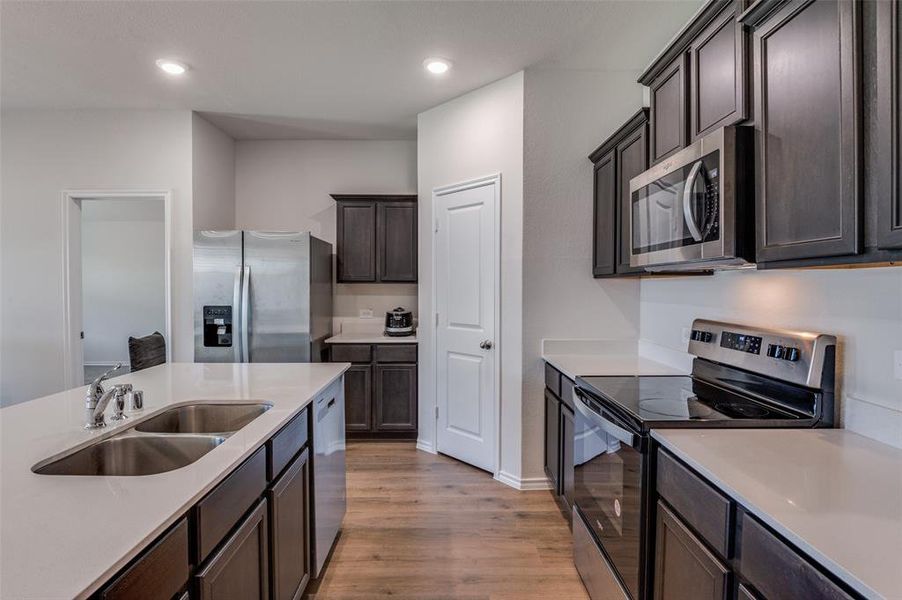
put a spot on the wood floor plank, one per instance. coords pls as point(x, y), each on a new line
point(427, 527)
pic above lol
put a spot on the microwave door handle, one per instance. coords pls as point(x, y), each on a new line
point(688, 212)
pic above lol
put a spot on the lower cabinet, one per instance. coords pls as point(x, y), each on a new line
point(684, 568)
point(553, 440)
point(380, 390)
point(239, 570)
point(160, 572)
point(567, 434)
point(289, 540)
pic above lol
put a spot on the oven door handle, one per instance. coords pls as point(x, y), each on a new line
point(688, 211)
point(607, 421)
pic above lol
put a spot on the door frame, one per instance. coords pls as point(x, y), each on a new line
point(493, 179)
point(73, 371)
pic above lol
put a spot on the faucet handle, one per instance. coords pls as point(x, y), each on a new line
point(95, 389)
point(119, 392)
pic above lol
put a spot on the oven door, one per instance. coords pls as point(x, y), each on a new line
point(681, 210)
point(608, 474)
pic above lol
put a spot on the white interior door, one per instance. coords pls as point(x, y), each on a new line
point(466, 292)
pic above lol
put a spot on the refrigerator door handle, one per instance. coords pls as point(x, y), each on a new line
point(236, 304)
point(245, 314)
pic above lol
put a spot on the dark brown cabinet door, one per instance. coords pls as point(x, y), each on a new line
point(239, 570)
point(289, 533)
point(684, 568)
point(632, 160)
point(668, 110)
point(397, 241)
point(889, 130)
point(356, 242)
point(604, 217)
point(744, 593)
point(717, 74)
point(358, 398)
point(553, 441)
point(807, 130)
point(567, 480)
point(160, 572)
point(396, 398)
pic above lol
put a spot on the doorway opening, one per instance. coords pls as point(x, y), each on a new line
point(117, 278)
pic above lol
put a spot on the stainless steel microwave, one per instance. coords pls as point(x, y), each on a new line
point(695, 209)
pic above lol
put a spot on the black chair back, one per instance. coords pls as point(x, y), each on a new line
point(148, 351)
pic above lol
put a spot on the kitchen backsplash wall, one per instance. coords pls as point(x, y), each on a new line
point(285, 185)
point(862, 307)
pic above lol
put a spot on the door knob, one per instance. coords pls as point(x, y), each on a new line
point(486, 345)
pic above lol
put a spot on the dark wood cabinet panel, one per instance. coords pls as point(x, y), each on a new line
point(553, 379)
point(567, 473)
point(553, 441)
point(289, 532)
point(395, 353)
point(698, 503)
point(632, 160)
point(604, 217)
point(684, 568)
point(352, 353)
point(807, 103)
point(397, 241)
point(216, 514)
point(395, 401)
point(777, 571)
point(282, 447)
point(358, 398)
point(889, 124)
point(356, 242)
point(160, 572)
point(240, 568)
point(669, 110)
point(744, 593)
point(717, 74)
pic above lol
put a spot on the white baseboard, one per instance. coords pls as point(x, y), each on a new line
point(523, 484)
point(425, 446)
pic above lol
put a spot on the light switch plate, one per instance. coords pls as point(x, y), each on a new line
point(366, 313)
point(898, 364)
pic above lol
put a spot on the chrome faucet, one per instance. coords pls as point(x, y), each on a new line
point(97, 398)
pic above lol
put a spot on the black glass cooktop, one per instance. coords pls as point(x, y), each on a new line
point(669, 401)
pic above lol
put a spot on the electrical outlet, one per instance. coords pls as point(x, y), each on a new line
point(366, 313)
point(898, 364)
point(685, 334)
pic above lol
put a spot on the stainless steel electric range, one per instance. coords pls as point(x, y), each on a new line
point(741, 377)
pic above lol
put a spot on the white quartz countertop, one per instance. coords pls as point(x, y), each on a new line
point(575, 358)
point(63, 536)
point(363, 337)
point(835, 494)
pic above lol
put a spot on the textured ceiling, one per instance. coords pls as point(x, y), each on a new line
point(317, 70)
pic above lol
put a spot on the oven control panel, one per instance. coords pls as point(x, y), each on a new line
point(794, 356)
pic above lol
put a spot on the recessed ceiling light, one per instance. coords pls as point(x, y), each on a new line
point(437, 66)
point(172, 67)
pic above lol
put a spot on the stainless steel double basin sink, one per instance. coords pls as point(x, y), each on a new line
point(170, 440)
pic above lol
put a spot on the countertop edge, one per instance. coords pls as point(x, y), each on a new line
point(816, 556)
point(125, 560)
point(558, 361)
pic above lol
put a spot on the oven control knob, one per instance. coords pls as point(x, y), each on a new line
point(701, 336)
point(775, 351)
point(791, 354)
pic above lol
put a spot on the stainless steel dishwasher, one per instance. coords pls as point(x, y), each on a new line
point(329, 493)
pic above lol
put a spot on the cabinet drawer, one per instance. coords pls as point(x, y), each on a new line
point(701, 506)
point(399, 353)
point(160, 572)
point(220, 510)
point(567, 392)
point(777, 571)
point(282, 447)
point(359, 353)
point(553, 380)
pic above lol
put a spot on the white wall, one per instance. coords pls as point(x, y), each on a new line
point(285, 185)
point(862, 307)
point(213, 175)
point(475, 135)
point(43, 153)
point(564, 122)
point(123, 275)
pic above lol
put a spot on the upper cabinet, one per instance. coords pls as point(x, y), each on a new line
point(376, 239)
point(668, 109)
point(619, 158)
point(807, 107)
point(888, 124)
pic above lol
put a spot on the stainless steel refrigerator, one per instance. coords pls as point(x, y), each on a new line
point(261, 296)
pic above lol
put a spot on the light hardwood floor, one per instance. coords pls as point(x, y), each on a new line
point(427, 527)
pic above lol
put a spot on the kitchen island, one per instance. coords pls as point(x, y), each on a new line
point(65, 536)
